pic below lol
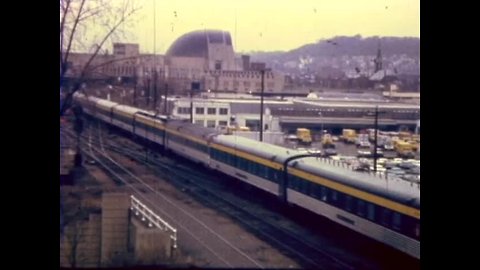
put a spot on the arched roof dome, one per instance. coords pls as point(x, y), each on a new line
point(195, 44)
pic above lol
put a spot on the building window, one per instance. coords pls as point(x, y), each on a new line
point(223, 111)
point(183, 110)
point(199, 110)
point(200, 122)
point(218, 65)
point(210, 123)
point(222, 123)
point(212, 111)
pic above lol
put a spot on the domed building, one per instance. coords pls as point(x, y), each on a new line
point(206, 57)
point(214, 47)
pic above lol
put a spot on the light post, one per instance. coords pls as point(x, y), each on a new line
point(195, 86)
point(155, 78)
point(109, 92)
point(321, 125)
point(147, 88)
point(375, 138)
point(375, 141)
point(261, 104)
point(166, 100)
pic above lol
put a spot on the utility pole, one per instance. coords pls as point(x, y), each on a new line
point(261, 104)
point(375, 141)
point(166, 95)
point(155, 90)
point(135, 91)
point(191, 104)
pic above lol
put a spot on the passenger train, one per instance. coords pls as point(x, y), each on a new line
point(385, 210)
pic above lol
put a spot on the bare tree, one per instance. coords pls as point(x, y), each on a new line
point(88, 21)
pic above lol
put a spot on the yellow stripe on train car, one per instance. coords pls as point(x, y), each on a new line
point(413, 212)
point(325, 182)
point(248, 156)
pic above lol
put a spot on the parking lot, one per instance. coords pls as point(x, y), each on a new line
point(361, 159)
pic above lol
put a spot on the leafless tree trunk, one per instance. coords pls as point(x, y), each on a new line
point(79, 18)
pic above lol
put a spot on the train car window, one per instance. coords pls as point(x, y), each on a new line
point(298, 184)
point(231, 159)
point(241, 163)
point(276, 175)
point(417, 230)
point(257, 169)
point(333, 196)
point(265, 170)
point(340, 200)
point(348, 203)
point(323, 193)
point(251, 168)
point(360, 208)
point(315, 190)
point(306, 187)
point(396, 221)
point(302, 185)
point(245, 165)
point(371, 211)
point(292, 182)
point(386, 214)
point(271, 173)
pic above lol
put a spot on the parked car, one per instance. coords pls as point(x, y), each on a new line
point(364, 153)
point(330, 152)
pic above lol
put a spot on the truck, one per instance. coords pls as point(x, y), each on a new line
point(349, 135)
point(231, 129)
point(327, 141)
point(404, 149)
point(304, 136)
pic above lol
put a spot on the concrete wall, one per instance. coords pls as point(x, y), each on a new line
point(82, 241)
point(150, 245)
point(114, 229)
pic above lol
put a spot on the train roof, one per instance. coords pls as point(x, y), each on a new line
point(264, 150)
point(126, 109)
point(397, 190)
point(195, 130)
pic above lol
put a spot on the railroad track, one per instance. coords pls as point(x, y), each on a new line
point(225, 253)
point(311, 255)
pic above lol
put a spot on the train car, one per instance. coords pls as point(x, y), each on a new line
point(149, 126)
point(190, 140)
point(388, 211)
point(250, 161)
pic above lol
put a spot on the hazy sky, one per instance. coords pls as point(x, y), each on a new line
point(270, 25)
